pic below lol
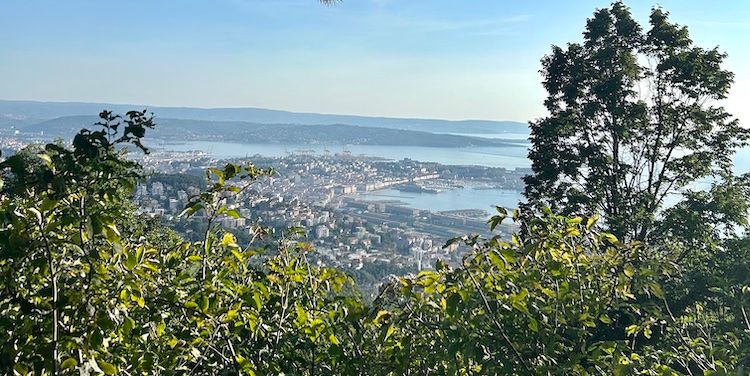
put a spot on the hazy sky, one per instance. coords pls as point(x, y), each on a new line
point(454, 59)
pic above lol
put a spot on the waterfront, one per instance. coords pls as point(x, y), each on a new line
point(509, 157)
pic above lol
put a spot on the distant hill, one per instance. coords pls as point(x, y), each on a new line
point(51, 110)
point(247, 132)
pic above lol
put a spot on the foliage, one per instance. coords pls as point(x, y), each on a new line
point(86, 287)
point(634, 121)
point(564, 301)
point(61, 248)
point(635, 126)
point(90, 288)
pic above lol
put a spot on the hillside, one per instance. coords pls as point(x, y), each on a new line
point(50, 110)
point(247, 132)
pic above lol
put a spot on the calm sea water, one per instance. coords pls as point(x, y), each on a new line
point(501, 136)
point(453, 199)
point(508, 157)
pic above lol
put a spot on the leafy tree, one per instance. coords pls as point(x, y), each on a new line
point(254, 310)
point(635, 123)
point(707, 303)
point(563, 301)
point(90, 288)
point(60, 247)
point(634, 118)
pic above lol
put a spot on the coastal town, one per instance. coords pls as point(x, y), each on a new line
point(324, 194)
point(335, 198)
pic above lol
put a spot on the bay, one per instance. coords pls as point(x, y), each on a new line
point(451, 199)
point(509, 157)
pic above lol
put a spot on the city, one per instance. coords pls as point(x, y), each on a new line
point(333, 187)
point(323, 195)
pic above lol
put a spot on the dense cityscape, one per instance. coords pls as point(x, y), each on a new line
point(322, 195)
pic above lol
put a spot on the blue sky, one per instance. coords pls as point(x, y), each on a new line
point(453, 59)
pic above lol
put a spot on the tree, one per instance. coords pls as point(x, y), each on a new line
point(564, 300)
point(633, 118)
point(89, 287)
point(60, 246)
point(634, 124)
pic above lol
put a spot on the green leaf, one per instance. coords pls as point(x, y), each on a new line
point(514, 239)
point(631, 330)
point(495, 220)
point(389, 332)
point(520, 306)
point(18, 367)
point(628, 270)
point(95, 339)
point(107, 368)
point(233, 213)
point(301, 315)
point(69, 363)
point(496, 260)
point(297, 230)
point(591, 221)
point(610, 238)
point(441, 266)
point(657, 290)
point(549, 292)
point(137, 297)
point(46, 158)
point(533, 325)
point(574, 220)
point(452, 241)
point(716, 290)
point(238, 255)
point(208, 244)
point(204, 303)
point(130, 259)
point(508, 254)
point(228, 240)
point(382, 314)
point(333, 339)
point(160, 328)
point(231, 315)
point(257, 300)
point(127, 325)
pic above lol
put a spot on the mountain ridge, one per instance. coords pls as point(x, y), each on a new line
point(247, 132)
point(50, 110)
